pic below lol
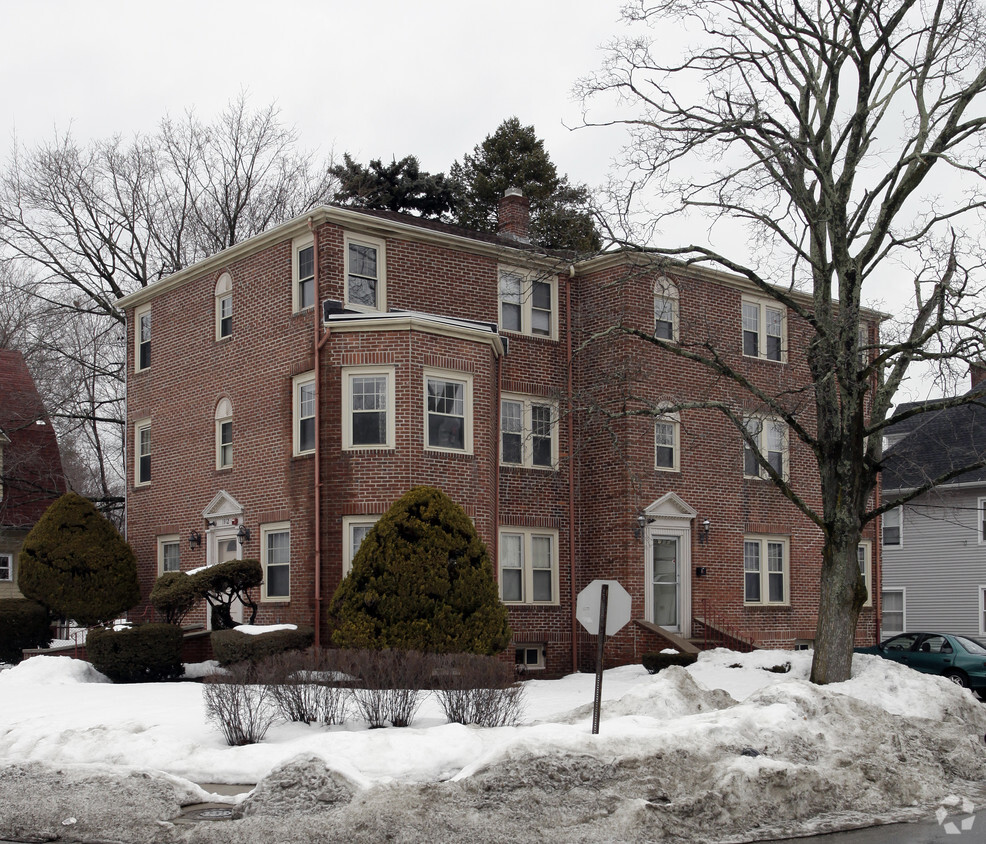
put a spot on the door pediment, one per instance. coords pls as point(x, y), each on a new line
point(670, 506)
point(223, 505)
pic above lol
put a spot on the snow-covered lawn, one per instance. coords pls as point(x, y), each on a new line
point(720, 748)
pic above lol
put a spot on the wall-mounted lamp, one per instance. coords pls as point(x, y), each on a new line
point(243, 534)
point(638, 528)
point(703, 535)
point(194, 538)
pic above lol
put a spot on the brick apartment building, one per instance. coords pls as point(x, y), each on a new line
point(283, 393)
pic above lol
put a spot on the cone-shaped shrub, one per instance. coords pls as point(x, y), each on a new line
point(76, 564)
point(422, 580)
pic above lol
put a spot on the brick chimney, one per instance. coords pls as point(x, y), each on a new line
point(977, 369)
point(514, 216)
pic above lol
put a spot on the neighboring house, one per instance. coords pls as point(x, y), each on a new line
point(934, 547)
point(30, 466)
point(282, 394)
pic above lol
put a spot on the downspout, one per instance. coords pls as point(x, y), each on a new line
point(318, 441)
point(571, 469)
point(496, 468)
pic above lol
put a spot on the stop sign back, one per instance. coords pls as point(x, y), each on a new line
point(587, 606)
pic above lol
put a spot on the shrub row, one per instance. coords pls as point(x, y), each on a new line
point(381, 686)
point(23, 624)
point(233, 646)
point(140, 654)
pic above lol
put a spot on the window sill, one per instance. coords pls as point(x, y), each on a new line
point(763, 606)
point(302, 454)
point(367, 449)
point(521, 467)
point(541, 338)
point(448, 452)
point(781, 362)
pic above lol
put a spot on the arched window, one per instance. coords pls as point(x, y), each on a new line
point(224, 434)
point(224, 307)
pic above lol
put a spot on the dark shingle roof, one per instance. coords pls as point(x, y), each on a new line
point(32, 467)
point(937, 442)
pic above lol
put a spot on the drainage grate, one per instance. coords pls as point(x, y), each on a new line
point(193, 814)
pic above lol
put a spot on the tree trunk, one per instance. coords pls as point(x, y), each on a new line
point(841, 597)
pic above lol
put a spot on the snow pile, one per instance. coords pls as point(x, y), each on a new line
point(737, 745)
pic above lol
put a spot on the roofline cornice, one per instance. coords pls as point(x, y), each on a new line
point(350, 220)
point(401, 322)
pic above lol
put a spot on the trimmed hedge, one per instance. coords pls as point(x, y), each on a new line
point(75, 563)
point(23, 624)
point(137, 654)
point(422, 580)
point(174, 595)
point(231, 646)
point(658, 662)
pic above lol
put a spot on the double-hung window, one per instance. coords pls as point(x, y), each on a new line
point(528, 566)
point(142, 453)
point(354, 531)
point(864, 554)
point(667, 439)
point(224, 307)
point(764, 330)
point(224, 434)
point(980, 518)
point(766, 575)
point(527, 302)
point(892, 522)
point(448, 411)
point(304, 413)
point(368, 408)
point(770, 437)
point(365, 274)
point(892, 612)
point(275, 553)
point(6, 567)
point(665, 310)
point(303, 273)
point(168, 553)
point(142, 338)
point(528, 432)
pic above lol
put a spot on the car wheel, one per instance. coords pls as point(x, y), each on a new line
point(958, 678)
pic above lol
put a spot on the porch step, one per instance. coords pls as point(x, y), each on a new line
point(673, 639)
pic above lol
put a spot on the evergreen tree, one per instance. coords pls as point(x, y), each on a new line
point(421, 580)
point(399, 186)
point(514, 157)
point(76, 565)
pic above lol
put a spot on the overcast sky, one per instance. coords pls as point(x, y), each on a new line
point(375, 79)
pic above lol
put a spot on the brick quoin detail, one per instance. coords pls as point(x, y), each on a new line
point(448, 276)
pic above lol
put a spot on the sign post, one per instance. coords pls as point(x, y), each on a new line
point(602, 608)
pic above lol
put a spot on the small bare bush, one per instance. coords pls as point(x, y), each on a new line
point(239, 704)
point(389, 684)
point(480, 690)
point(304, 686)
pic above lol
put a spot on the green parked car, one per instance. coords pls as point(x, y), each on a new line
point(960, 658)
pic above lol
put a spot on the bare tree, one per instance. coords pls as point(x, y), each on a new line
point(834, 132)
point(82, 225)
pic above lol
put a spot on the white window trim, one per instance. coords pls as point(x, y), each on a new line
point(664, 288)
point(142, 425)
point(274, 527)
point(348, 551)
point(9, 567)
point(464, 378)
point(762, 305)
point(764, 571)
point(980, 513)
point(766, 420)
point(675, 421)
point(900, 515)
point(539, 647)
point(527, 576)
point(224, 289)
point(224, 413)
point(528, 277)
point(169, 539)
point(139, 313)
point(527, 431)
point(350, 372)
point(381, 247)
point(867, 547)
point(297, 383)
point(297, 245)
point(903, 612)
point(982, 609)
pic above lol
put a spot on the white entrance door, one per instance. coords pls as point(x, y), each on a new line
point(227, 547)
point(666, 584)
